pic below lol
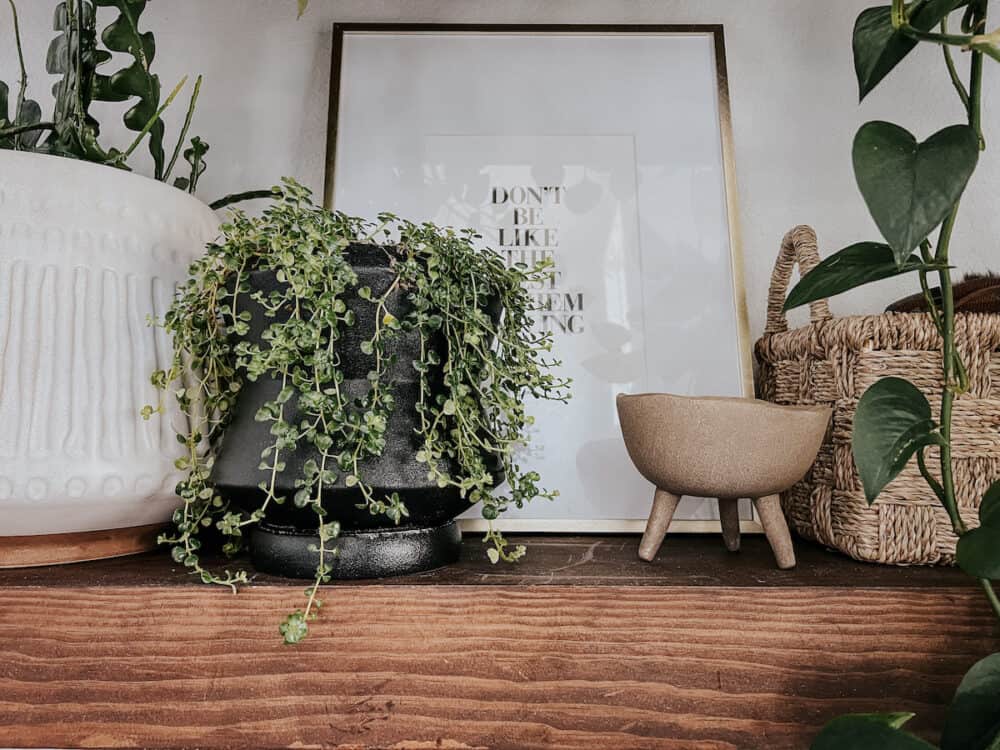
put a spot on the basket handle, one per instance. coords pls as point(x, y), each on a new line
point(797, 247)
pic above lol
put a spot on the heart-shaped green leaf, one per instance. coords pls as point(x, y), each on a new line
point(892, 422)
point(868, 732)
point(856, 265)
point(973, 720)
point(978, 552)
point(878, 47)
point(910, 187)
point(989, 508)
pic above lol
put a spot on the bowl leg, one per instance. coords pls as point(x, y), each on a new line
point(664, 505)
point(776, 530)
point(729, 516)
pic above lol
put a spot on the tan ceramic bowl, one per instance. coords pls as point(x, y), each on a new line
point(720, 447)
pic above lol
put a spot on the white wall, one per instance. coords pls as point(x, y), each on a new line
point(263, 105)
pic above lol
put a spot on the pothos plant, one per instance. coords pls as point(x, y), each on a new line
point(474, 417)
point(912, 188)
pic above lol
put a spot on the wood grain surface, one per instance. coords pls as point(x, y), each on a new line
point(57, 549)
point(563, 662)
point(606, 560)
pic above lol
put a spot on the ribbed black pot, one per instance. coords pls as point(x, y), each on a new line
point(369, 546)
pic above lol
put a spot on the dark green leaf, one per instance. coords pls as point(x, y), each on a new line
point(989, 508)
point(878, 47)
point(73, 55)
point(868, 732)
point(973, 720)
point(64, 48)
point(4, 112)
point(854, 266)
point(892, 421)
point(137, 80)
point(5, 122)
point(894, 719)
point(30, 114)
point(978, 551)
point(57, 56)
point(194, 155)
point(910, 187)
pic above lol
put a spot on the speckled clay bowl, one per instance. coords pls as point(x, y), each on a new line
point(720, 447)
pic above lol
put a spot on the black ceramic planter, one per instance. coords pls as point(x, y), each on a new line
point(369, 546)
point(377, 553)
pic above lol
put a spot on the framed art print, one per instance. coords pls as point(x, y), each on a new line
point(604, 148)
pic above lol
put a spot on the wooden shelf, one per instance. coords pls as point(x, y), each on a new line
point(579, 646)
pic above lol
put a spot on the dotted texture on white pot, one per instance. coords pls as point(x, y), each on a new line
point(88, 255)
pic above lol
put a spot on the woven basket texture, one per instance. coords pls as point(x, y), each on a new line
point(833, 361)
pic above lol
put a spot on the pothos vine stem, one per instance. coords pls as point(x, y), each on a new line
point(947, 317)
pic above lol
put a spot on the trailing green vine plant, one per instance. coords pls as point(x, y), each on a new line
point(474, 417)
point(912, 188)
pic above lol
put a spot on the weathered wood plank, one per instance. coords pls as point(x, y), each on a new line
point(686, 560)
point(494, 666)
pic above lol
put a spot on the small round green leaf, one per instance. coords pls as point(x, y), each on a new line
point(294, 628)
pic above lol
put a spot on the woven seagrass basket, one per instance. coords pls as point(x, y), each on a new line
point(833, 361)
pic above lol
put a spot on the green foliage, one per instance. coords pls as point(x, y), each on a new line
point(137, 81)
point(973, 721)
point(294, 627)
point(868, 732)
point(28, 113)
point(911, 187)
point(854, 266)
point(879, 47)
point(75, 55)
point(194, 155)
point(979, 548)
point(892, 422)
point(20, 126)
point(492, 365)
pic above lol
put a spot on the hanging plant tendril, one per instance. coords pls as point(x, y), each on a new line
point(471, 408)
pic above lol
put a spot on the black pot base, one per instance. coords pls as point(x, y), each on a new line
point(284, 551)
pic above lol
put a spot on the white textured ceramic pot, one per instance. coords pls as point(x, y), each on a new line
point(88, 255)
